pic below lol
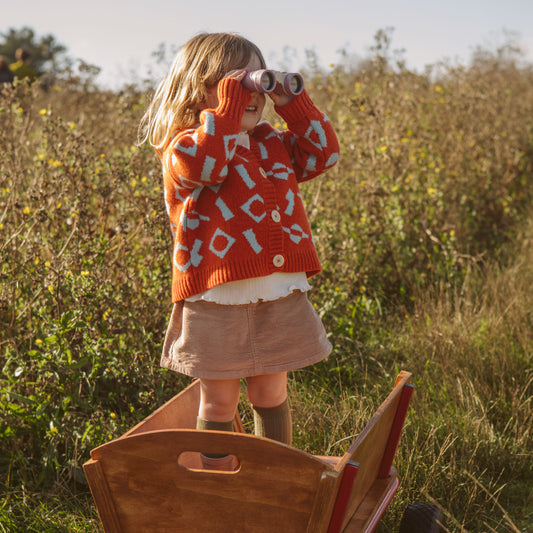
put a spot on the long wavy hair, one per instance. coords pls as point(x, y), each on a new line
point(199, 65)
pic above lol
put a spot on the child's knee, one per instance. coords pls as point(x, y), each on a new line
point(267, 390)
point(219, 399)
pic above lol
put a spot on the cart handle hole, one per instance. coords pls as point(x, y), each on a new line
point(193, 462)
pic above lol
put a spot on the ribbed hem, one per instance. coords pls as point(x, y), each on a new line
point(200, 280)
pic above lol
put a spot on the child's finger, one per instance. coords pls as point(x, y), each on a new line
point(238, 74)
point(280, 99)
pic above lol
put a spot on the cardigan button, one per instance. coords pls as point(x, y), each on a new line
point(276, 217)
point(278, 260)
point(262, 172)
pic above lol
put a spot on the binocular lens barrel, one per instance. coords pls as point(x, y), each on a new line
point(265, 81)
point(292, 82)
point(262, 81)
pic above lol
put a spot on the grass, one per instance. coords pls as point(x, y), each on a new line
point(425, 232)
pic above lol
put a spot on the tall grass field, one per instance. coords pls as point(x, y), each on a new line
point(425, 231)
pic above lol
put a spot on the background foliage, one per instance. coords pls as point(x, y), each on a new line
point(47, 55)
point(425, 233)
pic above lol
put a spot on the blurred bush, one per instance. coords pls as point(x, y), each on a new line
point(435, 177)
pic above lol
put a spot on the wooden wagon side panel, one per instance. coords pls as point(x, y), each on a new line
point(369, 448)
point(276, 487)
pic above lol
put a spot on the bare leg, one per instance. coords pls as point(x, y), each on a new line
point(219, 399)
point(268, 390)
point(218, 403)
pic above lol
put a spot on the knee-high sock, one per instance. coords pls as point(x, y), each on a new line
point(213, 461)
point(274, 422)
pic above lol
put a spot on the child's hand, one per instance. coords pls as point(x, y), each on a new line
point(238, 74)
point(279, 97)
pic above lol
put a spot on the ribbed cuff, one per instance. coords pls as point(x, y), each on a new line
point(299, 107)
point(232, 97)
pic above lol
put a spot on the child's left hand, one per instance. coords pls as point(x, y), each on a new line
point(279, 97)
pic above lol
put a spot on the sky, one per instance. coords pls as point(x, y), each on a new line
point(120, 36)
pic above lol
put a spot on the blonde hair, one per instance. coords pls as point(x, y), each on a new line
point(199, 65)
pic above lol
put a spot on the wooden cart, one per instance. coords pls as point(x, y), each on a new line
point(150, 480)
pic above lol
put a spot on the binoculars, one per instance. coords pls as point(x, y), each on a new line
point(265, 81)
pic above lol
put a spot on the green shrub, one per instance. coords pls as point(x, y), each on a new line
point(426, 266)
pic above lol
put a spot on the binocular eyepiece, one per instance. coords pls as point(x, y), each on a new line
point(265, 81)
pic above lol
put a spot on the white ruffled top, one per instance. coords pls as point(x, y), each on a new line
point(252, 290)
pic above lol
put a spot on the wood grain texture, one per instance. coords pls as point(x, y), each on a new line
point(274, 481)
point(102, 496)
point(151, 478)
point(373, 505)
point(370, 445)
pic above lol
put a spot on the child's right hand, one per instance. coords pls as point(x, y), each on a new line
point(238, 74)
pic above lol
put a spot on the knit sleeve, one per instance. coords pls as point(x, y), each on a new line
point(310, 138)
point(200, 156)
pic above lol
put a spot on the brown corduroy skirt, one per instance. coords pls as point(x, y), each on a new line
point(214, 341)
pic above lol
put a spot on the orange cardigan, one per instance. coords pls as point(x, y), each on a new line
point(237, 213)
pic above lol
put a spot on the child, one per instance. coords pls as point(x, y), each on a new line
point(243, 248)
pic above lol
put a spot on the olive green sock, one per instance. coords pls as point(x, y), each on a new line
point(274, 422)
point(214, 426)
